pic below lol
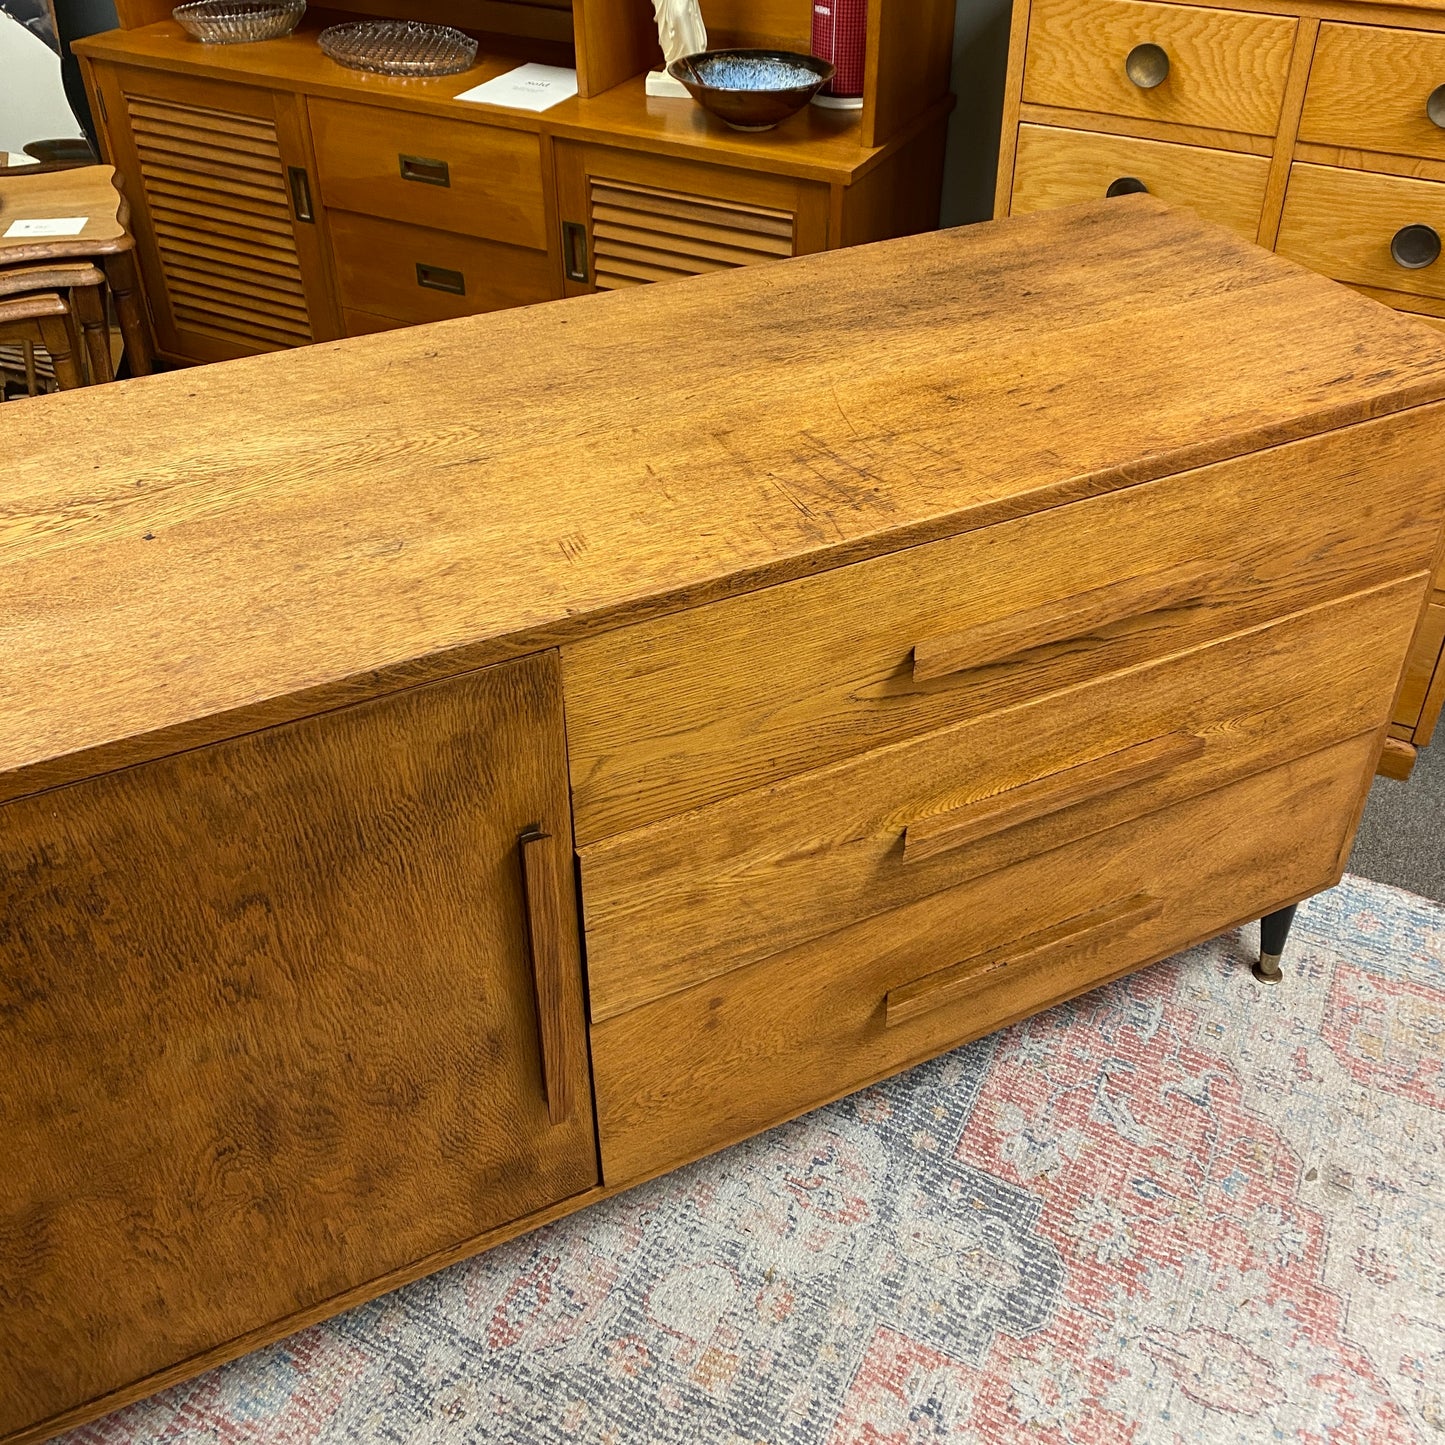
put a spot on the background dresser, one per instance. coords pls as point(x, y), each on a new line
point(935, 654)
point(279, 198)
point(1317, 129)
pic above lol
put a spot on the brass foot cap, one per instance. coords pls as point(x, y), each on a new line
point(1267, 970)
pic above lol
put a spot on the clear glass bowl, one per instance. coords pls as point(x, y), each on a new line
point(232, 22)
point(399, 47)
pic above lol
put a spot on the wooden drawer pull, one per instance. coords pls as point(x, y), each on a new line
point(1415, 247)
point(1147, 66)
point(545, 935)
point(1041, 797)
point(949, 985)
point(1435, 106)
point(1066, 620)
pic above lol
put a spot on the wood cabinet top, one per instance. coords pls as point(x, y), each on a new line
point(200, 553)
point(816, 144)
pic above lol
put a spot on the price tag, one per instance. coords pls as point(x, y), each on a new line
point(48, 226)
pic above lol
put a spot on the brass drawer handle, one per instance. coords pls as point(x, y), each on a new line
point(1127, 186)
point(1055, 623)
point(425, 169)
point(439, 278)
point(1415, 247)
point(1435, 106)
point(949, 985)
point(1147, 66)
point(1043, 797)
point(545, 939)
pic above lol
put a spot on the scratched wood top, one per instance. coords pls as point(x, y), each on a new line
point(192, 555)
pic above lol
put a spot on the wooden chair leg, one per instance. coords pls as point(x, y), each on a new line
point(120, 272)
point(88, 306)
point(55, 334)
point(32, 376)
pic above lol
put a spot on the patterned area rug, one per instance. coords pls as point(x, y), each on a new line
point(1184, 1208)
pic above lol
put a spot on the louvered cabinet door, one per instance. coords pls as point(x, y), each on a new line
point(225, 213)
point(630, 219)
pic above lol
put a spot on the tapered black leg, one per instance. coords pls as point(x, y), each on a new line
point(1273, 934)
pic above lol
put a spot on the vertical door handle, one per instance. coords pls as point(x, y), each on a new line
point(546, 937)
point(574, 251)
point(301, 194)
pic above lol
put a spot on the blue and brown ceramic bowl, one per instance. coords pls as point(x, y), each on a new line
point(752, 89)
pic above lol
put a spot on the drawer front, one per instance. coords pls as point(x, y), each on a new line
point(1225, 69)
point(697, 896)
point(671, 715)
point(1344, 224)
point(1379, 89)
point(721, 1061)
point(411, 275)
point(1418, 706)
point(1057, 167)
point(479, 180)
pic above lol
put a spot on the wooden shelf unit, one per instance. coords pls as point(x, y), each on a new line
point(264, 222)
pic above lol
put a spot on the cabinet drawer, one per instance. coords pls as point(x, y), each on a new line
point(1225, 69)
point(1057, 167)
point(480, 180)
point(727, 1058)
point(411, 275)
point(1344, 223)
point(670, 715)
point(711, 891)
point(1373, 88)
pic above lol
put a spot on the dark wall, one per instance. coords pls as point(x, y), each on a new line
point(980, 55)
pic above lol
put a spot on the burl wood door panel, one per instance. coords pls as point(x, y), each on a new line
point(269, 1025)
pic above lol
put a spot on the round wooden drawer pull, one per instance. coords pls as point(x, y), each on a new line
point(1415, 247)
point(1435, 106)
point(1127, 186)
point(1147, 66)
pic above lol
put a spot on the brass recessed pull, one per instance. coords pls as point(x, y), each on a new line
point(1127, 186)
point(1147, 66)
point(426, 169)
point(1415, 247)
point(439, 278)
point(1435, 106)
point(574, 251)
point(301, 194)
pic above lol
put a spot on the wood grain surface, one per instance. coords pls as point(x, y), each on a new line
point(285, 532)
point(1057, 167)
point(1368, 88)
point(1340, 222)
point(720, 1061)
point(710, 891)
point(670, 715)
point(493, 179)
point(270, 1027)
point(1227, 69)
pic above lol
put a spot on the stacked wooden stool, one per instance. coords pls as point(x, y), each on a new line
point(53, 287)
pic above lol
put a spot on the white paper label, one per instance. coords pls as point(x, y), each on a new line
point(528, 87)
point(49, 226)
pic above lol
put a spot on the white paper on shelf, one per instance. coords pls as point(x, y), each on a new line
point(47, 226)
point(528, 87)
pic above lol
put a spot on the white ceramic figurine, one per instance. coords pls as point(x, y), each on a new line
point(679, 28)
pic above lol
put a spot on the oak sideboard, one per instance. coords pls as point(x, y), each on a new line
point(449, 776)
point(1315, 127)
point(279, 198)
